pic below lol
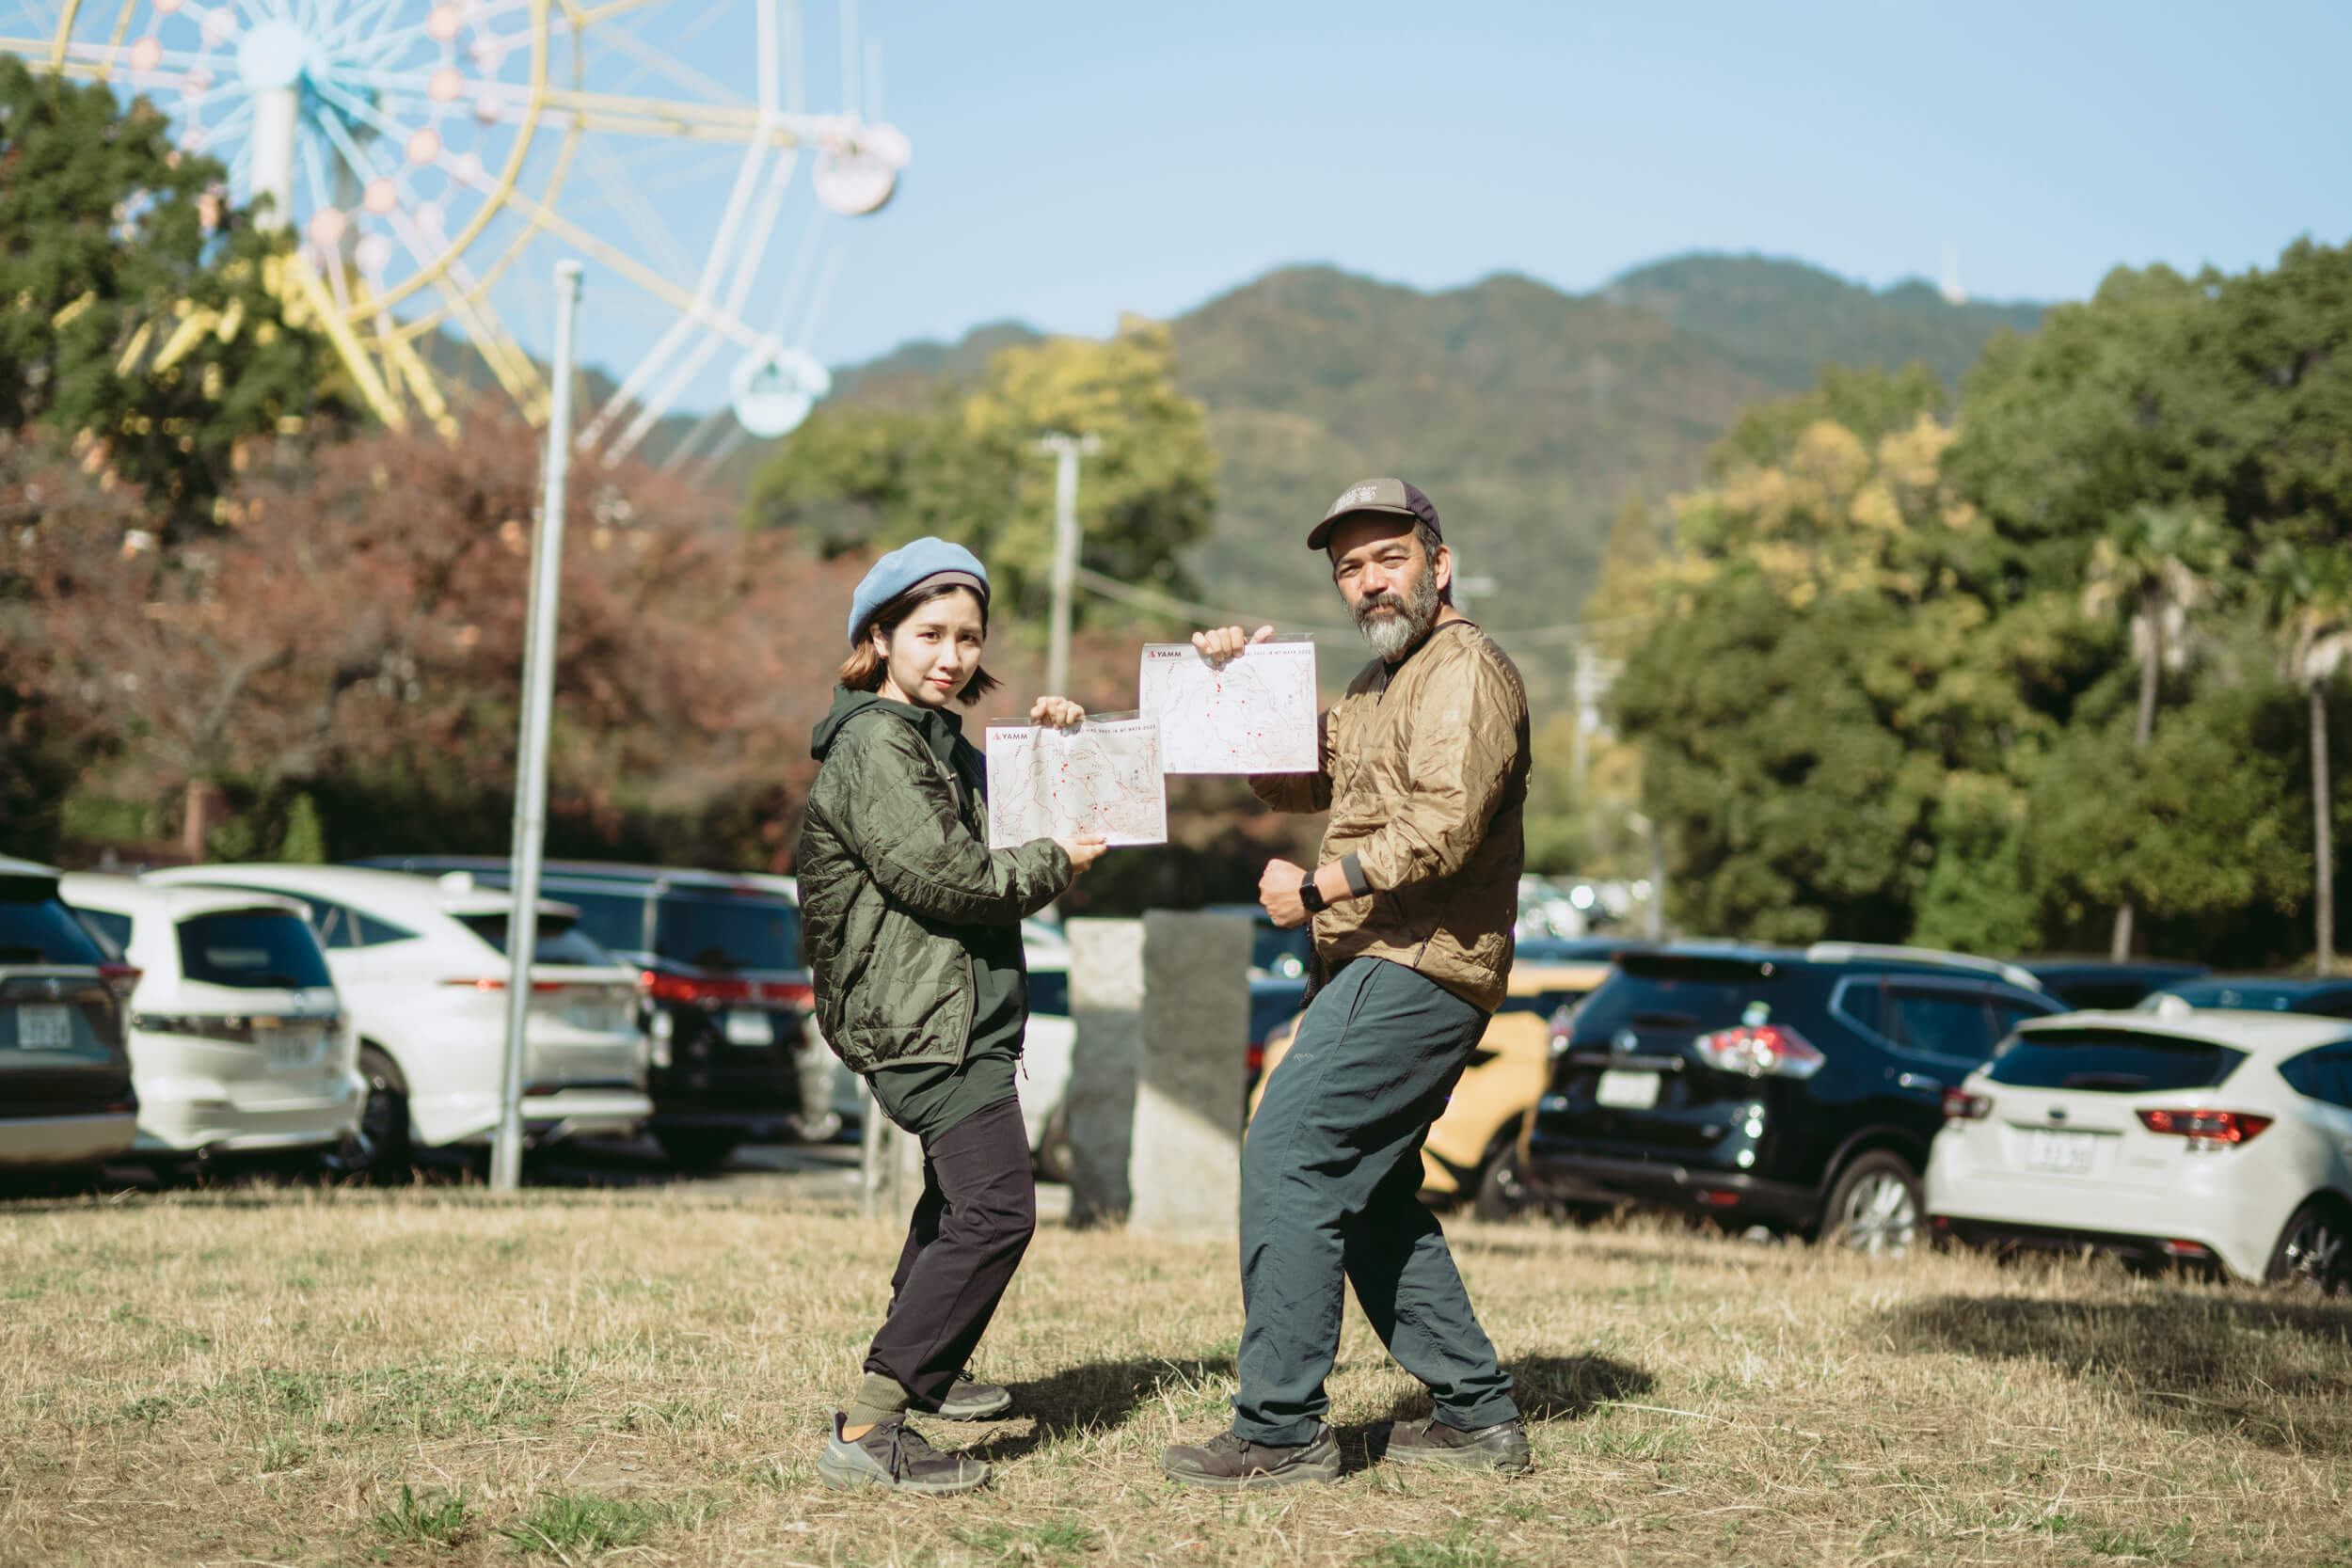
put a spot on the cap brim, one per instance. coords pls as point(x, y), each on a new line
point(1321, 533)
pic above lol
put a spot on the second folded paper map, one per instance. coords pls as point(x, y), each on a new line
point(1253, 714)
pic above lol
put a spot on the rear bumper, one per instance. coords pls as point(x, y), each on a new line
point(2001, 1235)
point(220, 1119)
point(2233, 1204)
point(585, 1113)
point(34, 1142)
point(1721, 1194)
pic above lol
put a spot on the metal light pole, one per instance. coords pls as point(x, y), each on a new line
point(1066, 450)
point(530, 765)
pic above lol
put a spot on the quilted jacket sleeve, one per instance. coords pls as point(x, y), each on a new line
point(903, 826)
point(1463, 753)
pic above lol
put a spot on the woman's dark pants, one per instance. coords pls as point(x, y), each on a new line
point(973, 1221)
point(1330, 1182)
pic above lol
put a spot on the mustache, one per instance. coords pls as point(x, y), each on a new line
point(1383, 598)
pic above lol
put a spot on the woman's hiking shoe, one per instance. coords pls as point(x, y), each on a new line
point(895, 1457)
point(968, 1401)
point(1227, 1463)
point(1499, 1447)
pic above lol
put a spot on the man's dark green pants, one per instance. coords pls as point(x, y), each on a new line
point(1330, 1176)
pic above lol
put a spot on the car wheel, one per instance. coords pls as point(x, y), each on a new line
point(1874, 1208)
point(1500, 1193)
point(2314, 1251)
point(1053, 1160)
point(698, 1147)
point(381, 1148)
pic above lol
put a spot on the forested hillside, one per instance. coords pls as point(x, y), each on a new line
point(1530, 415)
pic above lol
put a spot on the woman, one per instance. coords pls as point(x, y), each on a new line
point(913, 934)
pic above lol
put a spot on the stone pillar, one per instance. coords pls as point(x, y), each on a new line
point(1185, 1165)
point(890, 1168)
point(1105, 1005)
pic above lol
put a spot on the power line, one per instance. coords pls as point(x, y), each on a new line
point(1223, 615)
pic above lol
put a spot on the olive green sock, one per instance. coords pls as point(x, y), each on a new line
point(879, 1399)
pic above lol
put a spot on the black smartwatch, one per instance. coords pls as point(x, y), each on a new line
point(1311, 896)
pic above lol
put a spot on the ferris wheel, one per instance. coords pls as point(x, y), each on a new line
point(419, 150)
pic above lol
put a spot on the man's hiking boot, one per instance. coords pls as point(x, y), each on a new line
point(1227, 1463)
point(968, 1401)
point(1499, 1447)
point(893, 1457)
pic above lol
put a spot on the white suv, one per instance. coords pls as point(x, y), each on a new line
point(421, 966)
point(238, 1041)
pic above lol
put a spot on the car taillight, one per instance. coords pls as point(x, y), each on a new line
point(1254, 1059)
point(498, 982)
point(792, 993)
point(679, 987)
point(1960, 1105)
point(122, 979)
point(2220, 1127)
point(1761, 1050)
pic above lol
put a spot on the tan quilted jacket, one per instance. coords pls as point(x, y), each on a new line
point(1425, 773)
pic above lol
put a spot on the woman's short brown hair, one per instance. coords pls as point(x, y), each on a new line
point(865, 671)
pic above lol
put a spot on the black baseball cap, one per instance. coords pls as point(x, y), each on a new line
point(1392, 496)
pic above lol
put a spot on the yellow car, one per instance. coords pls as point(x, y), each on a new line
point(1472, 1150)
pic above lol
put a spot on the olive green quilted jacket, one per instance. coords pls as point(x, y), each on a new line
point(894, 873)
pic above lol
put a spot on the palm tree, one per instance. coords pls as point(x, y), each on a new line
point(2160, 561)
point(2308, 594)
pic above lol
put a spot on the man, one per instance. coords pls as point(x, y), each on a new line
point(1423, 769)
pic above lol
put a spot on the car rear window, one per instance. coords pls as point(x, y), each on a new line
point(729, 933)
point(1271, 1006)
point(561, 941)
point(2111, 1061)
point(252, 949)
point(1663, 991)
point(37, 928)
point(616, 920)
point(2253, 996)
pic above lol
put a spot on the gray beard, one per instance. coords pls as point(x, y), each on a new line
point(1394, 635)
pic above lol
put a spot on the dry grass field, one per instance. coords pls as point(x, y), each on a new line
point(432, 1377)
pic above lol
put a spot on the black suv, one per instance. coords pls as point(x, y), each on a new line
point(1796, 1089)
point(65, 1100)
point(726, 994)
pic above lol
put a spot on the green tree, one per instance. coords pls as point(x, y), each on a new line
point(963, 465)
point(140, 324)
point(2160, 562)
point(2308, 595)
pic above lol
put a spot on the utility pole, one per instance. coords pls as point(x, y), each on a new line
point(1066, 450)
point(531, 762)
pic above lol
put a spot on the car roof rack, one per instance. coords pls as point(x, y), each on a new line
point(1847, 952)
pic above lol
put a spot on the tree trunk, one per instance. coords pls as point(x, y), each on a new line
point(2151, 677)
point(2323, 848)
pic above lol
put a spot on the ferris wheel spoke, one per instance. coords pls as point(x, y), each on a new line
point(631, 204)
point(659, 60)
point(693, 30)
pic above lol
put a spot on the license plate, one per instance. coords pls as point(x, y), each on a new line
point(44, 1028)
point(290, 1047)
point(2070, 1154)
point(1627, 1091)
point(750, 1028)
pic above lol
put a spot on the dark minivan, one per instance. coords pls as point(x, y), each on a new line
point(65, 1073)
point(1795, 1089)
point(726, 996)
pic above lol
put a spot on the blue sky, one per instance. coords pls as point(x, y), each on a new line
point(1074, 160)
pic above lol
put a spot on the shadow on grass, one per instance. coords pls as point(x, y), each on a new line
point(2277, 1373)
point(1097, 1395)
point(1105, 1393)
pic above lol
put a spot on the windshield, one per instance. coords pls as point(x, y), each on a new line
point(36, 928)
point(729, 933)
point(2254, 996)
point(252, 949)
point(561, 941)
point(2111, 1061)
point(1684, 995)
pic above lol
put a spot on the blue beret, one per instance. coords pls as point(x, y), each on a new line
point(908, 565)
